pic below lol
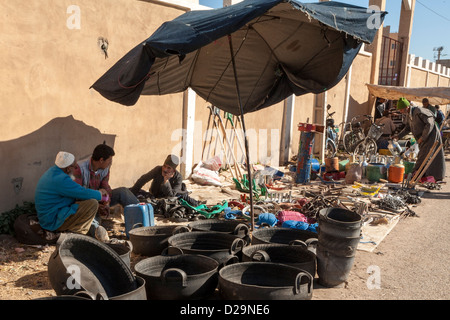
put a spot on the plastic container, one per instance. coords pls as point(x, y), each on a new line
point(376, 171)
point(332, 164)
point(315, 165)
point(409, 166)
point(396, 173)
point(138, 215)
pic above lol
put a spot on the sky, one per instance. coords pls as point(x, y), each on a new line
point(430, 26)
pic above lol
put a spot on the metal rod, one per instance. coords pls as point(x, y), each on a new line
point(250, 183)
point(206, 136)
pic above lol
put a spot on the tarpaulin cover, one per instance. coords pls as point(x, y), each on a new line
point(435, 95)
point(281, 47)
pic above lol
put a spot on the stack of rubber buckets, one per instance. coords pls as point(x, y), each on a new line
point(338, 238)
point(305, 152)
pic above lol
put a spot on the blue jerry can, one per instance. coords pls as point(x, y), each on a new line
point(138, 215)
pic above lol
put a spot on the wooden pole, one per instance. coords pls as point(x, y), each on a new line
point(416, 174)
point(413, 183)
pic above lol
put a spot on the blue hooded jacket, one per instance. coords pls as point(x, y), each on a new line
point(55, 198)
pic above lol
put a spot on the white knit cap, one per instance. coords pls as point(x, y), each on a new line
point(64, 159)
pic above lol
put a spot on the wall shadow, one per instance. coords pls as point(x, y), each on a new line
point(25, 159)
point(355, 108)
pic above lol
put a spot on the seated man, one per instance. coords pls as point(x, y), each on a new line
point(388, 129)
point(166, 182)
point(62, 204)
point(93, 173)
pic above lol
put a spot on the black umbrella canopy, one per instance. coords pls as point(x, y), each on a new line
point(280, 48)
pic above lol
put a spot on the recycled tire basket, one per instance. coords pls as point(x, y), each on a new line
point(294, 256)
point(224, 248)
point(178, 277)
point(284, 236)
point(152, 241)
point(339, 235)
point(82, 263)
point(264, 281)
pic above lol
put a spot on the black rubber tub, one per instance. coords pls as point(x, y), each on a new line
point(340, 222)
point(152, 241)
point(285, 236)
point(339, 236)
point(264, 281)
point(179, 277)
point(224, 248)
point(294, 256)
point(138, 294)
point(123, 250)
point(224, 226)
point(82, 263)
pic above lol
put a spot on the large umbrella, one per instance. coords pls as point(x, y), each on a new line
point(245, 57)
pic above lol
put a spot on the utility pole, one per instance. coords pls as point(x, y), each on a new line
point(439, 52)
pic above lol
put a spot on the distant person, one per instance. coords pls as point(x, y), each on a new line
point(439, 117)
point(380, 108)
point(426, 104)
point(388, 127)
point(62, 205)
point(166, 181)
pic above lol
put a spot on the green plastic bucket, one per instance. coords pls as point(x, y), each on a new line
point(375, 172)
point(409, 166)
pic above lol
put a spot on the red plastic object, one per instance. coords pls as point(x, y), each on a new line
point(328, 176)
point(286, 215)
point(235, 204)
point(428, 179)
point(308, 127)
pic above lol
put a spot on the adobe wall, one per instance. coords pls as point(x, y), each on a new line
point(49, 59)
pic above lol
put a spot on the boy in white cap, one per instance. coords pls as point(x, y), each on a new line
point(62, 204)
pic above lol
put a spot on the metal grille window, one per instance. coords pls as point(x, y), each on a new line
point(391, 55)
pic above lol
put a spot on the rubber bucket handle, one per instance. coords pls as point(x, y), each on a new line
point(298, 282)
point(237, 245)
point(298, 243)
point(165, 251)
point(172, 273)
point(181, 229)
point(240, 227)
point(260, 255)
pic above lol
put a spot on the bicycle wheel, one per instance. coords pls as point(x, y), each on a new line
point(350, 141)
point(330, 152)
point(366, 148)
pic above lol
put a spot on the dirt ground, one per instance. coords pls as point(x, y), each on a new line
point(410, 263)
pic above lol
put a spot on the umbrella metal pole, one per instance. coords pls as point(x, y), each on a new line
point(250, 183)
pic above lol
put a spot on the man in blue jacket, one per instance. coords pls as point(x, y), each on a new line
point(62, 204)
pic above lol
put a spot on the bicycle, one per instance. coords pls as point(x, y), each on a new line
point(368, 147)
point(354, 134)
